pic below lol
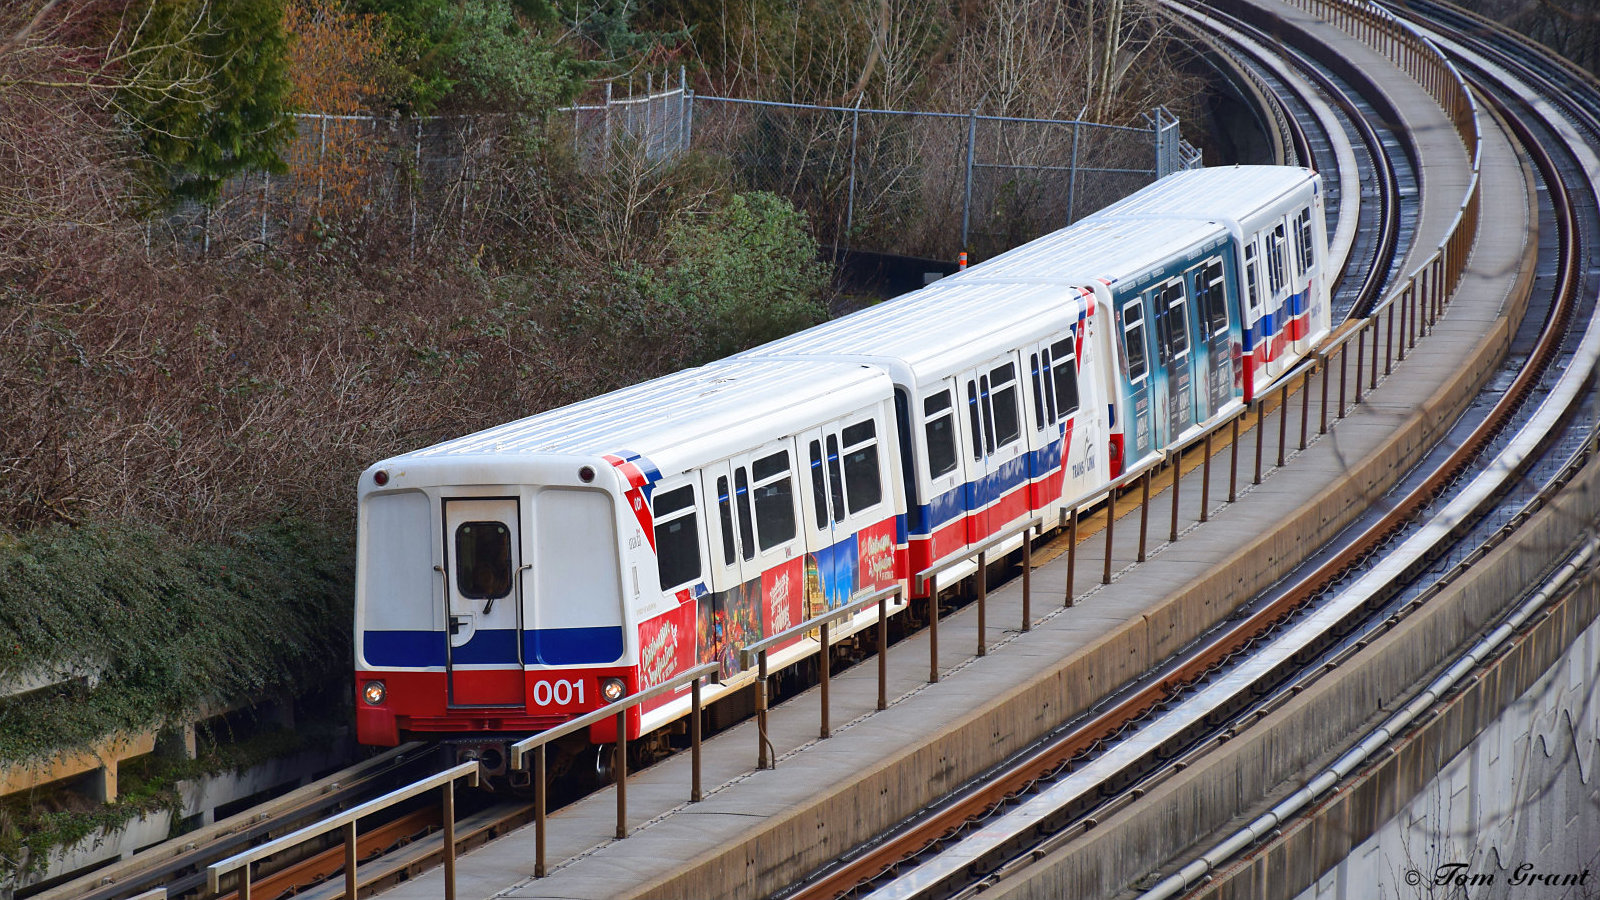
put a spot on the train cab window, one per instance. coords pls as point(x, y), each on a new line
point(1064, 376)
point(483, 560)
point(741, 496)
point(1003, 397)
point(861, 480)
point(1133, 340)
point(819, 487)
point(1275, 250)
point(774, 499)
point(1173, 320)
point(1212, 304)
point(725, 515)
point(677, 537)
point(1303, 239)
point(940, 429)
point(835, 480)
point(975, 418)
point(1252, 278)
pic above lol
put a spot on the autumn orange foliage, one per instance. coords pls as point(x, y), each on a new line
point(333, 57)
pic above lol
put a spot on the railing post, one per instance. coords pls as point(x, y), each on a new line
point(1205, 483)
point(762, 761)
point(621, 766)
point(695, 795)
point(1144, 510)
point(883, 652)
point(1027, 578)
point(933, 629)
point(824, 668)
point(1072, 554)
point(1388, 341)
point(1233, 465)
point(1373, 384)
point(1400, 352)
point(1344, 359)
point(983, 601)
point(1361, 358)
point(1283, 421)
point(539, 801)
point(449, 815)
point(1261, 436)
point(1305, 404)
point(1177, 479)
point(244, 882)
point(350, 861)
point(1111, 525)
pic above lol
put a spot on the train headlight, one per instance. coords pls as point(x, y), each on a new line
point(612, 689)
point(374, 692)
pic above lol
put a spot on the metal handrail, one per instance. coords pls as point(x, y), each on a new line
point(520, 749)
point(347, 821)
point(929, 579)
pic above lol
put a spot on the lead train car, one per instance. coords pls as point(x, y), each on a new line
point(512, 579)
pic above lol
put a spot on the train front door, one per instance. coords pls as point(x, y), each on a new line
point(1211, 314)
point(483, 574)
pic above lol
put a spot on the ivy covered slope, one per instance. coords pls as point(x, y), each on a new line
point(168, 626)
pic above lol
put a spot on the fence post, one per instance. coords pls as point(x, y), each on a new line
point(850, 208)
point(1072, 173)
point(966, 203)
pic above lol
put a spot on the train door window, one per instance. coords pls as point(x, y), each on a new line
point(1038, 393)
point(940, 429)
point(741, 496)
point(861, 479)
point(725, 514)
point(774, 499)
point(819, 487)
point(483, 560)
point(974, 416)
point(988, 414)
point(835, 480)
point(1064, 375)
point(1275, 252)
point(1133, 340)
point(1213, 305)
point(1049, 389)
point(677, 537)
point(1303, 239)
point(1177, 315)
point(1252, 278)
point(1003, 398)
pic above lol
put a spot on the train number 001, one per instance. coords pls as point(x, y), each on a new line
point(561, 692)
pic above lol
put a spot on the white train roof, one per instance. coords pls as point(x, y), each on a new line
point(946, 325)
point(1237, 193)
point(680, 420)
point(1095, 249)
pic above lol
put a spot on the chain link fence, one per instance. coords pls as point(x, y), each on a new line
point(914, 183)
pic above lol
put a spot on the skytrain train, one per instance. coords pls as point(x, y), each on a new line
point(510, 580)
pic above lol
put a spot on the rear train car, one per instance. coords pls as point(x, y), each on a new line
point(512, 579)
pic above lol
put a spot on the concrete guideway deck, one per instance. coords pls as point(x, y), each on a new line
point(757, 830)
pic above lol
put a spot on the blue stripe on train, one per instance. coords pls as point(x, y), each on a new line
point(972, 496)
point(495, 646)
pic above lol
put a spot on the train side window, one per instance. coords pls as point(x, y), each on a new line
point(835, 480)
point(747, 531)
point(1133, 340)
point(940, 429)
point(677, 537)
point(1275, 250)
point(974, 416)
point(725, 514)
point(1177, 316)
point(1064, 372)
point(774, 499)
point(483, 560)
point(1214, 305)
point(1003, 397)
point(819, 488)
point(1252, 278)
point(1049, 389)
point(863, 485)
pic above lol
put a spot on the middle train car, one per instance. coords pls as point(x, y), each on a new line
point(513, 579)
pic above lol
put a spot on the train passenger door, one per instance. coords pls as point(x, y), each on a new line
point(483, 573)
point(1174, 350)
point(999, 472)
point(1211, 317)
point(829, 571)
point(727, 543)
point(1256, 324)
point(1138, 432)
point(774, 571)
point(1275, 249)
point(942, 518)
